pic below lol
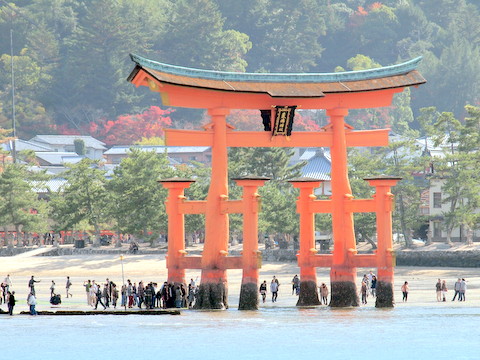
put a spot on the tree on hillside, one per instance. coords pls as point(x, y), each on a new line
point(20, 207)
point(458, 170)
point(30, 115)
point(270, 162)
point(363, 163)
point(195, 37)
point(82, 199)
point(136, 199)
point(97, 52)
point(79, 145)
point(126, 129)
point(278, 215)
point(285, 38)
point(401, 158)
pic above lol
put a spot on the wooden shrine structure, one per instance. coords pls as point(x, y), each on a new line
point(277, 96)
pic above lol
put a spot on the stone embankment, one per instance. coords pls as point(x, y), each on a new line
point(438, 258)
point(69, 250)
point(415, 257)
point(433, 258)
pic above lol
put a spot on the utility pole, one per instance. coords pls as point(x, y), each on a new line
point(14, 12)
point(14, 123)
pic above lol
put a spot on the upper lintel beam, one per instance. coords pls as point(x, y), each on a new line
point(265, 139)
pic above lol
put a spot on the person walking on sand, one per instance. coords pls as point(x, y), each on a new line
point(295, 285)
point(31, 285)
point(274, 289)
point(88, 285)
point(52, 289)
point(114, 296)
point(123, 292)
point(463, 289)
point(438, 289)
point(373, 286)
point(366, 280)
point(99, 298)
point(106, 295)
point(130, 294)
point(363, 291)
point(444, 290)
point(405, 290)
point(11, 301)
point(323, 293)
point(263, 290)
point(7, 283)
point(67, 286)
point(456, 287)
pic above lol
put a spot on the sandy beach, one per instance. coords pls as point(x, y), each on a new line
point(152, 268)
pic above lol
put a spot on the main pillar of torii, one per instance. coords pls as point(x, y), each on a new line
point(218, 92)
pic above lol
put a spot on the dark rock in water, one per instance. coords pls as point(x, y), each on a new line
point(384, 292)
point(308, 294)
point(248, 297)
point(344, 294)
point(212, 296)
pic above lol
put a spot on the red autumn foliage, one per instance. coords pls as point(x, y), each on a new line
point(378, 118)
point(358, 17)
point(126, 129)
point(246, 120)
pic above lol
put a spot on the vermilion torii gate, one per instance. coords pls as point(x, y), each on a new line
point(218, 92)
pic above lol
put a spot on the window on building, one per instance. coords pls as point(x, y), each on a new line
point(437, 200)
point(437, 230)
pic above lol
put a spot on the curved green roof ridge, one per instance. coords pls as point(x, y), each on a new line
point(392, 70)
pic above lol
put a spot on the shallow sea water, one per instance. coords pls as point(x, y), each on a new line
point(271, 333)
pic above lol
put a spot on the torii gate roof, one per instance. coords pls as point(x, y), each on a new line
point(160, 77)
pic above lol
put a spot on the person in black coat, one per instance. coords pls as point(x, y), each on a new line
point(11, 302)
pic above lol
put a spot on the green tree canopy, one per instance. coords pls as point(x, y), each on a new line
point(136, 199)
point(82, 199)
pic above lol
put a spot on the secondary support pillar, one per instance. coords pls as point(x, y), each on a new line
point(384, 252)
point(250, 255)
point(343, 274)
point(212, 293)
point(308, 275)
point(176, 228)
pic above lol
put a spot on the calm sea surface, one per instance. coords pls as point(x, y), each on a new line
point(274, 333)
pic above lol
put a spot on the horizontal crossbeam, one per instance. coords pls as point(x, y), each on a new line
point(195, 262)
point(355, 260)
point(175, 137)
point(192, 207)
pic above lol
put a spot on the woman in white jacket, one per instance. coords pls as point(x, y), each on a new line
point(32, 301)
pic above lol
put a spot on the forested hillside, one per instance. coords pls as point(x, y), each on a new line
point(70, 57)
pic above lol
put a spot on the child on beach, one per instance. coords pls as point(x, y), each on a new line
point(405, 290)
point(323, 294)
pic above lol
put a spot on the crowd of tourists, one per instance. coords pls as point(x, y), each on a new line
point(460, 287)
point(149, 295)
point(368, 286)
point(153, 295)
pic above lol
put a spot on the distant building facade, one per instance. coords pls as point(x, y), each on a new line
point(179, 154)
point(94, 148)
